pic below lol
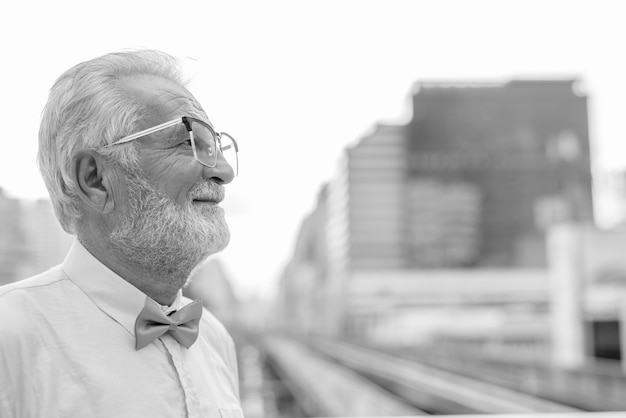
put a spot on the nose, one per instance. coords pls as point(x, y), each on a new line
point(222, 173)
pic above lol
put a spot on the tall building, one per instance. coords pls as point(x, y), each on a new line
point(523, 145)
point(442, 223)
point(366, 209)
point(473, 180)
point(357, 224)
point(304, 285)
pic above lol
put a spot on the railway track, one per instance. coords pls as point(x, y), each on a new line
point(427, 389)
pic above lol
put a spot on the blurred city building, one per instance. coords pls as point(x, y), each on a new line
point(307, 288)
point(610, 193)
point(31, 241)
point(524, 145)
point(504, 308)
point(13, 249)
point(443, 223)
point(473, 181)
point(588, 294)
point(47, 243)
point(366, 210)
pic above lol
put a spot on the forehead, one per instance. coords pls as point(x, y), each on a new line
point(164, 99)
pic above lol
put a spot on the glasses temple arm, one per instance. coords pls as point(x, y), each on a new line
point(145, 132)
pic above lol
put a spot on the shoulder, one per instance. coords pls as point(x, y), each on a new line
point(24, 300)
point(214, 329)
point(23, 287)
point(24, 307)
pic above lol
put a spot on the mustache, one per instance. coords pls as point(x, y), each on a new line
point(208, 191)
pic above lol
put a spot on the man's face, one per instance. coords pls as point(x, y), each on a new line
point(170, 219)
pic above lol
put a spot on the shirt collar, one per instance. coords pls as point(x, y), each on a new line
point(116, 297)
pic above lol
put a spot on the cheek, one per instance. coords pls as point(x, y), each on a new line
point(173, 176)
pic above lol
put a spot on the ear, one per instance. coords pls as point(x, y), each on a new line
point(92, 176)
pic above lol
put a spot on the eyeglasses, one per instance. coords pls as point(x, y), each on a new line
point(204, 141)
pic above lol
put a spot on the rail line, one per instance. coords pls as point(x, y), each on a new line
point(323, 388)
point(598, 386)
point(433, 389)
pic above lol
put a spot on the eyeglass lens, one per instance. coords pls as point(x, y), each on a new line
point(206, 147)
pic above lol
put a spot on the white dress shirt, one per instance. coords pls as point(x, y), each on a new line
point(67, 349)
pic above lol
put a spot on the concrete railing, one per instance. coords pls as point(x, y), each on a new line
point(601, 386)
point(549, 415)
point(322, 387)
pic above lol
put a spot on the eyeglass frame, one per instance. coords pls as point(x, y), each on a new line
point(185, 120)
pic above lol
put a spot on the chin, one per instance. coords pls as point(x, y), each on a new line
point(218, 241)
point(217, 234)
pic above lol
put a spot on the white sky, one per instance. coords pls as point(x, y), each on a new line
point(296, 81)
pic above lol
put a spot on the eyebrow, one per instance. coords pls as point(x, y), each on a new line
point(175, 134)
point(166, 137)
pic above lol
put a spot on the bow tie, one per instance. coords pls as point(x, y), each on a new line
point(181, 324)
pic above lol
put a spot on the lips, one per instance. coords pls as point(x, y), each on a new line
point(205, 200)
point(210, 198)
point(207, 192)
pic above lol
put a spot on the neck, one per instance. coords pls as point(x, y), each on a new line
point(162, 285)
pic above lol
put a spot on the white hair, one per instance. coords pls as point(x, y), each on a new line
point(88, 108)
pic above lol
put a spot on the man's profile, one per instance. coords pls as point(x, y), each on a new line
point(136, 172)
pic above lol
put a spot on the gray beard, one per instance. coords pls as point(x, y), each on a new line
point(163, 238)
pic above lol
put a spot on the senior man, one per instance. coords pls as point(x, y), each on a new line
point(136, 172)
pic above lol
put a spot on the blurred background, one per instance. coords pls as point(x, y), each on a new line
point(429, 216)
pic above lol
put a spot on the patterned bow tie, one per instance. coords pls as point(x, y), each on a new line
point(181, 324)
